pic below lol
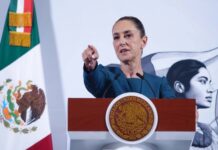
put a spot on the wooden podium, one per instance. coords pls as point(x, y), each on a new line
point(87, 128)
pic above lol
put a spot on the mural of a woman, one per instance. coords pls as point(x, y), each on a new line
point(159, 63)
point(191, 79)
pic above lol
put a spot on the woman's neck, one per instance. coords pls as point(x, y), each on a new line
point(130, 69)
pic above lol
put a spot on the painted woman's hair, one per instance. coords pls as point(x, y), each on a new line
point(183, 71)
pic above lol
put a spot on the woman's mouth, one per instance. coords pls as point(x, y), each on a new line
point(209, 98)
point(123, 50)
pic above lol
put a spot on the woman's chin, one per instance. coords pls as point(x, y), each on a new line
point(204, 106)
point(125, 60)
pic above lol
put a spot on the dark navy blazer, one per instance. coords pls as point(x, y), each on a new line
point(109, 82)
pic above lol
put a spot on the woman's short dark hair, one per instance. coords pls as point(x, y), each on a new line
point(137, 23)
point(183, 71)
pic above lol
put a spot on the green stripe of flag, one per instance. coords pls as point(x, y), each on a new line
point(13, 5)
point(13, 8)
point(8, 54)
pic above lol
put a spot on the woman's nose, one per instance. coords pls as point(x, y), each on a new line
point(212, 88)
point(122, 42)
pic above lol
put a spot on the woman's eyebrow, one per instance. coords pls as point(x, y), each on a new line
point(127, 31)
point(124, 32)
point(115, 34)
point(205, 78)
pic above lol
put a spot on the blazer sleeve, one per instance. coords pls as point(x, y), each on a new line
point(95, 81)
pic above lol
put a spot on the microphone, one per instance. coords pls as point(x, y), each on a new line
point(142, 77)
point(109, 86)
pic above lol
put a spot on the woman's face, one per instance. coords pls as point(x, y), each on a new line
point(201, 89)
point(127, 41)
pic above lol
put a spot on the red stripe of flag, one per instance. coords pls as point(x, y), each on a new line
point(28, 7)
point(43, 144)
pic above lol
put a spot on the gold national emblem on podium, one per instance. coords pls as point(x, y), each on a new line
point(131, 118)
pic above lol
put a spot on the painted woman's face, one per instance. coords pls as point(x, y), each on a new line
point(201, 89)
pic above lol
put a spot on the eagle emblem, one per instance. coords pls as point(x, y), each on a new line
point(20, 105)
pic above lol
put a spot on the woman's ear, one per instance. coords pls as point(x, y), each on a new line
point(144, 41)
point(179, 87)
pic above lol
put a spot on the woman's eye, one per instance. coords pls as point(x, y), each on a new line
point(115, 37)
point(128, 35)
point(203, 81)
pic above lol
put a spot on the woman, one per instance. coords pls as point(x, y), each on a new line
point(129, 39)
point(191, 79)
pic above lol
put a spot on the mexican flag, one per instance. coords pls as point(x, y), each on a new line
point(24, 121)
